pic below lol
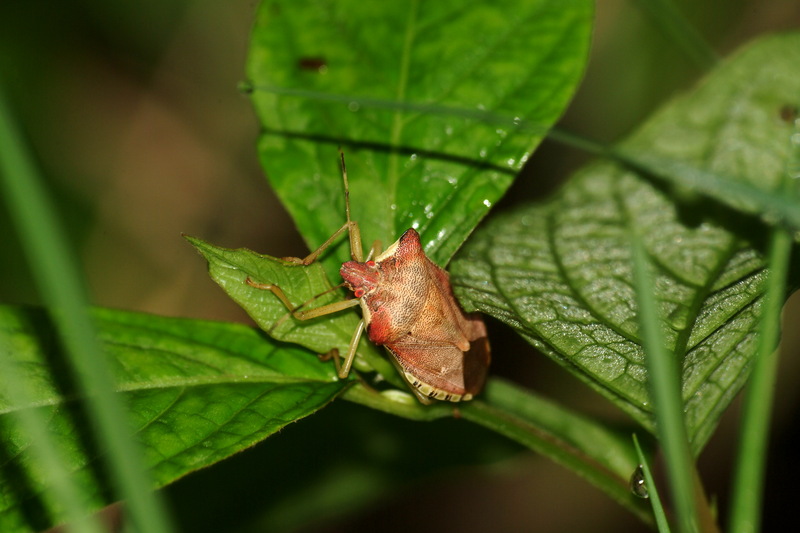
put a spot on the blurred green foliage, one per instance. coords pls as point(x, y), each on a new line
point(133, 113)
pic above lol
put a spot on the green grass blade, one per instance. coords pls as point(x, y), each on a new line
point(652, 490)
point(66, 499)
point(665, 390)
point(59, 283)
point(747, 492)
point(677, 29)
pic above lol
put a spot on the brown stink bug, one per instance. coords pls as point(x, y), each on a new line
point(407, 306)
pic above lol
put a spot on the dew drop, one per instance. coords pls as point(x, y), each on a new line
point(638, 484)
point(353, 106)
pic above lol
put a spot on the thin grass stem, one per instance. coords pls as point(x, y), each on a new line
point(60, 286)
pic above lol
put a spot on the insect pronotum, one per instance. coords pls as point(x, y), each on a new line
point(407, 306)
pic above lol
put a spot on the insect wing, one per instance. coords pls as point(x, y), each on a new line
point(442, 370)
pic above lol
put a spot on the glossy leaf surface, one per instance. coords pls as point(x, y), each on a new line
point(427, 99)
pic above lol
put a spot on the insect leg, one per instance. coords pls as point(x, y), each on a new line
point(351, 350)
point(277, 291)
point(335, 307)
point(350, 226)
point(295, 311)
point(356, 251)
point(374, 251)
point(337, 360)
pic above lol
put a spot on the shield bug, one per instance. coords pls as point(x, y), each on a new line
point(407, 306)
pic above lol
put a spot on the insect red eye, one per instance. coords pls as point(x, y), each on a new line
point(359, 293)
point(371, 264)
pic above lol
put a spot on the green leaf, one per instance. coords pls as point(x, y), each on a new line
point(432, 102)
point(731, 140)
point(198, 392)
point(201, 391)
point(230, 269)
point(560, 272)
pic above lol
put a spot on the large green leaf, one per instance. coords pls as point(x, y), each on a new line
point(201, 391)
point(432, 102)
point(561, 273)
point(197, 391)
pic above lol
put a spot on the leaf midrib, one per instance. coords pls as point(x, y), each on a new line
point(400, 96)
point(182, 383)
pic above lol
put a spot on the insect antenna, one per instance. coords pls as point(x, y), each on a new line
point(356, 251)
point(346, 187)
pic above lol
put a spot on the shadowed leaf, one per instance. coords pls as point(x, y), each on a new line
point(560, 272)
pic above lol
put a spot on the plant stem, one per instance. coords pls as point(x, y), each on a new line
point(674, 26)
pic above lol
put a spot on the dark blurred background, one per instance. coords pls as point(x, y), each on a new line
point(133, 112)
